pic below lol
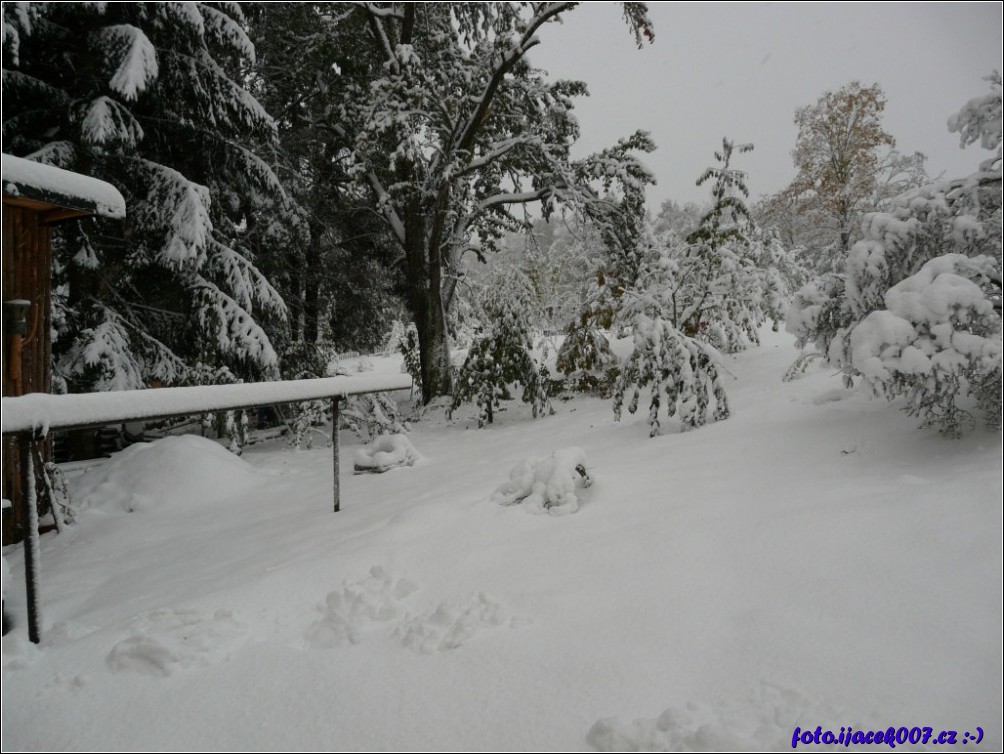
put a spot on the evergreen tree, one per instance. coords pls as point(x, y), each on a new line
point(677, 369)
point(343, 281)
point(148, 96)
point(503, 354)
point(697, 295)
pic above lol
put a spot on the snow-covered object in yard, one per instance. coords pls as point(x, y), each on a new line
point(384, 453)
point(546, 484)
point(182, 470)
point(34, 180)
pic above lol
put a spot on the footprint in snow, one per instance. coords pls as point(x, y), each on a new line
point(168, 640)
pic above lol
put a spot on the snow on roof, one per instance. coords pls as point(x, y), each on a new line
point(43, 412)
point(64, 188)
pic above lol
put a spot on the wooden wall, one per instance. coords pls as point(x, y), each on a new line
point(27, 274)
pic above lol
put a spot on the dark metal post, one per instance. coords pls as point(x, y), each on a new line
point(29, 515)
point(336, 492)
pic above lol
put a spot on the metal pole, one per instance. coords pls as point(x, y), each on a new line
point(29, 510)
point(336, 492)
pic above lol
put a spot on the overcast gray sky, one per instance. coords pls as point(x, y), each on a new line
point(741, 70)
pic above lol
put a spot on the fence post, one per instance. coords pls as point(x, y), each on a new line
point(29, 517)
point(336, 491)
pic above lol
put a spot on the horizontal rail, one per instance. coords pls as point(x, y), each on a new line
point(40, 413)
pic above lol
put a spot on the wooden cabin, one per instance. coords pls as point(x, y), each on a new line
point(35, 197)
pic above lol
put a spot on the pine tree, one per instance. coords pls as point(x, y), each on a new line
point(148, 97)
point(697, 296)
point(503, 354)
point(677, 368)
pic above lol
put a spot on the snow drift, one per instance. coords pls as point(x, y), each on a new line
point(170, 471)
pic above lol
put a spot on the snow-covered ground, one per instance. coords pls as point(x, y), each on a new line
point(814, 560)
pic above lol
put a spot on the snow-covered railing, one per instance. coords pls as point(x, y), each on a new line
point(40, 413)
point(30, 418)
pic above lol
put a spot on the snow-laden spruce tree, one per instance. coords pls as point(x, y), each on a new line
point(678, 369)
point(148, 96)
point(697, 296)
point(917, 312)
point(730, 275)
point(501, 357)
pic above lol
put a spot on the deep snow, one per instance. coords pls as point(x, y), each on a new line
point(814, 560)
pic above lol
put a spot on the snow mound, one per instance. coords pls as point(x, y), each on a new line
point(384, 453)
point(167, 640)
point(546, 485)
point(764, 721)
point(169, 471)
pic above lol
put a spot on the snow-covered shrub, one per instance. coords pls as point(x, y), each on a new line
point(547, 484)
point(675, 367)
point(408, 346)
point(503, 355)
point(373, 414)
point(585, 359)
point(305, 423)
point(230, 424)
point(384, 453)
point(917, 310)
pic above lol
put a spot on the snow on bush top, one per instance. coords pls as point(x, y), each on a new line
point(20, 174)
point(172, 471)
point(546, 485)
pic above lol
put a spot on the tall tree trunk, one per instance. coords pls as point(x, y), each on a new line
point(425, 293)
point(312, 285)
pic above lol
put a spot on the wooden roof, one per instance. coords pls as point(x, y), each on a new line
point(57, 194)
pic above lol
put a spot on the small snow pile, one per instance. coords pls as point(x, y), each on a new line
point(546, 484)
point(165, 472)
point(384, 453)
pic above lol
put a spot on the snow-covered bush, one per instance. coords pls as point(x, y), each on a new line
point(408, 347)
point(586, 360)
point(503, 355)
point(917, 311)
point(373, 414)
point(546, 484)
point(384, 453)
point(674, 367)
point(305, 423)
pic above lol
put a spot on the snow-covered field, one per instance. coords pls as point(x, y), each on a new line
point(814, 560)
